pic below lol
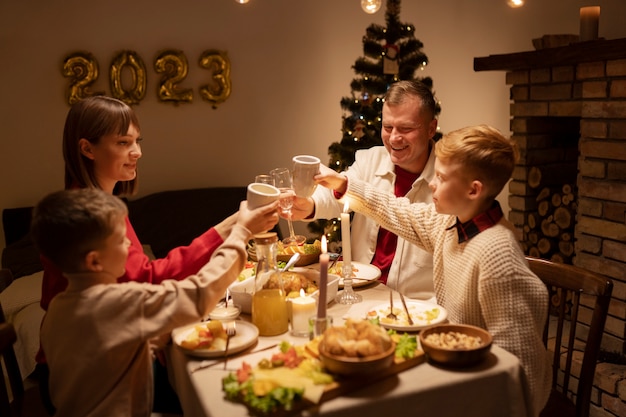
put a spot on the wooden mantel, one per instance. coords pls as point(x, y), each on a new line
point(550, 57)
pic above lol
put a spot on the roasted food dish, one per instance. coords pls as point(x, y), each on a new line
point(292, 282)
point(358, 338)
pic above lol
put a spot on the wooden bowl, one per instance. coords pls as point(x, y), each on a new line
point(456, 356)
point(345, 365)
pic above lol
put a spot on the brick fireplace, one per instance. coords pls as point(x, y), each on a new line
point(568, 193)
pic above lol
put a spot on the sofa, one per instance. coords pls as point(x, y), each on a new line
point(162, 221)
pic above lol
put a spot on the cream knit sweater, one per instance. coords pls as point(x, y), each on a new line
point(484, 282)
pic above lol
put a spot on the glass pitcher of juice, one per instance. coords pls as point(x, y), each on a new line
point(269, 306)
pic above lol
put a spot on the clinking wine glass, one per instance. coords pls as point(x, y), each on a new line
point(282, 181)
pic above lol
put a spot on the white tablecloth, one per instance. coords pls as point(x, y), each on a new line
point(490, 389)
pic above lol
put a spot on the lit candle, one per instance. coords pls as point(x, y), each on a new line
point(589, 17)
point(323, 282)
point(346, 250)
point(302, 308)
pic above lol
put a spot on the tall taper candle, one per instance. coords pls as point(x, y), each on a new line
point(589, 17)
point(323, 283)
point(346, 251)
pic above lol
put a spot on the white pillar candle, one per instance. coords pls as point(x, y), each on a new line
point(323, 282)
point(346, 250)
point(302, 308)
point(589, 18)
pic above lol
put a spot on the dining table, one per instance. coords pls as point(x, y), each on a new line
point(490, 388)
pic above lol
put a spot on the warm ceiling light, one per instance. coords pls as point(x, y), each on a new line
point(242, 1)
point(371, 6)
point(515, 3)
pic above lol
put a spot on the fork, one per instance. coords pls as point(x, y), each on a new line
point(391, 315)
point(231, 330)
point(406, 310)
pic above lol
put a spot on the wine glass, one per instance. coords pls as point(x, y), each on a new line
point(282, 181)
point(264, 179)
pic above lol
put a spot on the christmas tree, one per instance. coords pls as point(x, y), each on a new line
point(391, 53)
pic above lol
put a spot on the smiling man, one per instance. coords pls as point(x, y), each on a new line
point(404, 166)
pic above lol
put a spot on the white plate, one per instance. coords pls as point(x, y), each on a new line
point(365, 274)
point(419, 311)
point(247, 335)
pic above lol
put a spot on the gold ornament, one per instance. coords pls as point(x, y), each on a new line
point(82, 70)
point(174, 67)
point(218, 63)
point(137, 69)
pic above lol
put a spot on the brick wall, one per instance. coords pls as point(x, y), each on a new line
point(568, 116)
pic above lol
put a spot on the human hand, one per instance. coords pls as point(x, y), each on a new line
point(331, 179)
point(302, 208)
point(259, 220)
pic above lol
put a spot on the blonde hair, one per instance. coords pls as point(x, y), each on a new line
point(484, 154)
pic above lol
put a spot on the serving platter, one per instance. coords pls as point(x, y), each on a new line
point(423, 314)
point(247, 335)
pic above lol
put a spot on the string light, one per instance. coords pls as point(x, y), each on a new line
point(371, 6)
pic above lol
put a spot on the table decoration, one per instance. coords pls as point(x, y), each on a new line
point(347, 296)
point(324, 259)
point(589, 19)
point(302, 308)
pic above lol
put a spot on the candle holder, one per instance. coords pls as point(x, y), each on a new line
point(348, 296)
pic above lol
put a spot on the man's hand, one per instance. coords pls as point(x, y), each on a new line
point(332, 179)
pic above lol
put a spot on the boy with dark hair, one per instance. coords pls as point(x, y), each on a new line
point(95, 334)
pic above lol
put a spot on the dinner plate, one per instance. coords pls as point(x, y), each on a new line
point(364, 274)
point(423, 314)
point(247, 335)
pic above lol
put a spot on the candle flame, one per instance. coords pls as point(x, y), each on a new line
point(346, 206)
point(302, 294)
point(324, 245)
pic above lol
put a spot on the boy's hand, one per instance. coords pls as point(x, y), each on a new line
point(259, 220)
point(332, 179)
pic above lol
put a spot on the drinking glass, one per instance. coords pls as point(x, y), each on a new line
point(264, 179)
point(282, 181)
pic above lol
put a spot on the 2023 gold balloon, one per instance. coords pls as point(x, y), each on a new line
point(82, 70)
point(134, 63)
point(174, 67)
point(218, 63)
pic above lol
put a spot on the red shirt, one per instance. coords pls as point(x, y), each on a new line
point(387, 242)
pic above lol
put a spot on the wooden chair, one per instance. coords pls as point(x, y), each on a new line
point(579, 304)
point(25, 403)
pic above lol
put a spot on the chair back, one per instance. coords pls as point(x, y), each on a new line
point(7, 356)
point(578, 304)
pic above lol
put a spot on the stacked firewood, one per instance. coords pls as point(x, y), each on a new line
point(549, 233)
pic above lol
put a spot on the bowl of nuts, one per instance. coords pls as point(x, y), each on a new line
point(455, 345)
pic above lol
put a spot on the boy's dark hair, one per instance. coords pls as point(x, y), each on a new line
point(68, 224)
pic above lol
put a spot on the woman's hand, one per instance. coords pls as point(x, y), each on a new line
point(302, 208)
point(259, 220)
point(332, 179)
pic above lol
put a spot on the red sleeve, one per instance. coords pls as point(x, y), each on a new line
point(178, 264)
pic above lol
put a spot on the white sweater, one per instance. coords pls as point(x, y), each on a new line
point(412, 268)
point(484, 281)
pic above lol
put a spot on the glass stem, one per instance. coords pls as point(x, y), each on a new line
point(290, 224)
